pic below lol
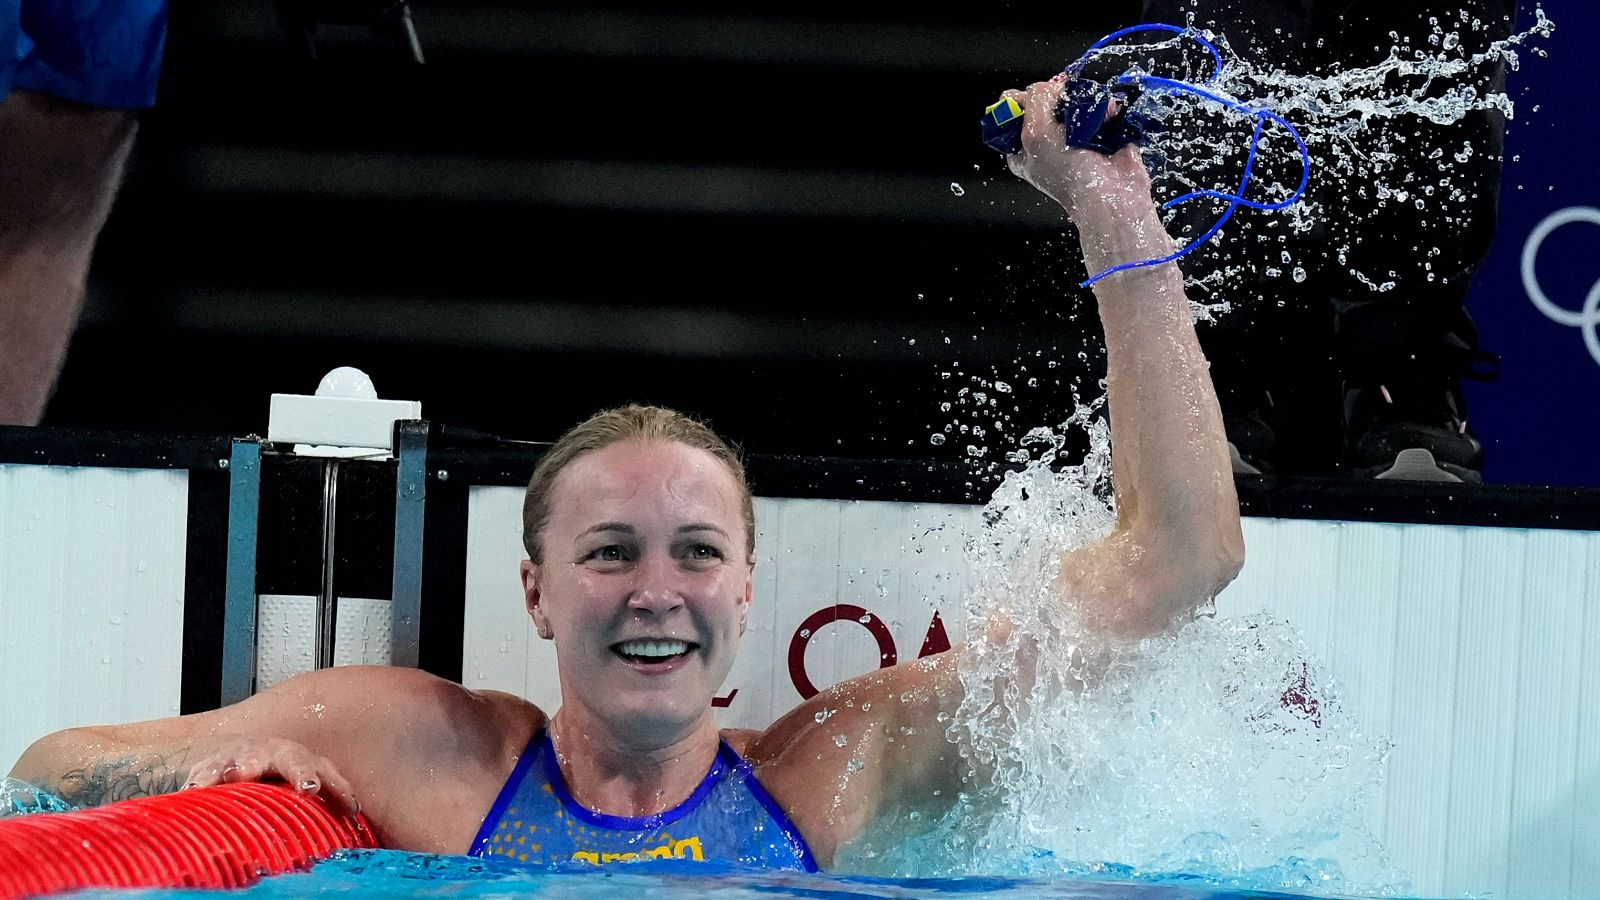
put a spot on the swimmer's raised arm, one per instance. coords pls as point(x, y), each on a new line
point(873, 752)
point(411, 751)
point(1178, 541)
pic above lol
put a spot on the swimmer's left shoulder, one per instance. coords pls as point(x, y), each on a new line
point(838, 758)
point(740, 739)
point(866, 703)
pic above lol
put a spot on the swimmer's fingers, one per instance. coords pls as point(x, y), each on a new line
point(1044, 149)
point(208, 772)
point(1086, 183)
point(228, 766)
point(303, 770)
point(237, 755)
point(320, 777)
point(245, 767)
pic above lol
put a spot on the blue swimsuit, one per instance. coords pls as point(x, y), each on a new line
point(729, 817)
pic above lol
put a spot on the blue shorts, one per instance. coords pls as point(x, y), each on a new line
point(99, 52)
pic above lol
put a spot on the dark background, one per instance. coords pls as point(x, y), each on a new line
point(745, 214)
point(1537, 420)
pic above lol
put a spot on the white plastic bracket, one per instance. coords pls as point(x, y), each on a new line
point(344, 419)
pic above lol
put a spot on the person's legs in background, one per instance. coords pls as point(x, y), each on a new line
point(1292, 347)
point(1402, 351)
point(70, 79)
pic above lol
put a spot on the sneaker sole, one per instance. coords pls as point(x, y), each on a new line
point(1417, 464)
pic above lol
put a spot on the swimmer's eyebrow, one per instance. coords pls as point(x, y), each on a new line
point(625, 528)
point(701, 526)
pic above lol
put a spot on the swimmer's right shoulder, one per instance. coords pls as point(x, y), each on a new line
point(411, 697)
point(427, 755)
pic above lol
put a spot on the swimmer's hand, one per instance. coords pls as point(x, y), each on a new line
point(276, 759)
point(1106, 197)
point(1086, 183)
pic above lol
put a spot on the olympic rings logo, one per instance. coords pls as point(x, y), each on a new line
point(1588, 318)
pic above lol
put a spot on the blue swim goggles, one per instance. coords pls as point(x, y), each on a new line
point(1102, 116)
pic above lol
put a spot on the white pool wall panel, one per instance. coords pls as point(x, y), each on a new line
point(1484, 726)
point(500, 647)
point(1481, 640)
point(1425, 672)
point(1586, 796)
point(1544, 773)
point(1475, 650)
point(91, 598)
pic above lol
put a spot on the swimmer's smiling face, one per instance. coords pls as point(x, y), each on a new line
point(645, 583)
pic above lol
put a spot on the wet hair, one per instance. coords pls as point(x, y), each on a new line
point(643, 424)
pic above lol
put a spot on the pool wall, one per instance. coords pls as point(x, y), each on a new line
point(92, 572)
point(1476, 648)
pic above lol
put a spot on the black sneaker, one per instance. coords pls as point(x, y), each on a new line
point(1402, 364)
point(1390, 434)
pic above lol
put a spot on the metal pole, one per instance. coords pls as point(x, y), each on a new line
point(239, 595)
point(327, 617)
point(410, 496)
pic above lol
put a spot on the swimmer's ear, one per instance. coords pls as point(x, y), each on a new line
point(749, 598)
point(531, 596)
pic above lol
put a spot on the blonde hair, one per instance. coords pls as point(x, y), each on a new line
point(613, 426)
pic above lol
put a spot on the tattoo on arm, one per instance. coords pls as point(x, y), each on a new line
point(140, 775)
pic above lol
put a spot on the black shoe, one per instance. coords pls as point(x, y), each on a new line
point(1417, 435)
point(1405, 417)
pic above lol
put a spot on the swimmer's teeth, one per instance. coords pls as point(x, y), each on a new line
point(653, 648)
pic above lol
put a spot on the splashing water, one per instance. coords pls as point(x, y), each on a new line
point(19, 798)
point(1220, 749)
point(1361, 125)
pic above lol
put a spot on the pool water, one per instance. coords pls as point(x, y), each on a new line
point(390, 873)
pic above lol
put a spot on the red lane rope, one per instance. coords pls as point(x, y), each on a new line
point(218, 837)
